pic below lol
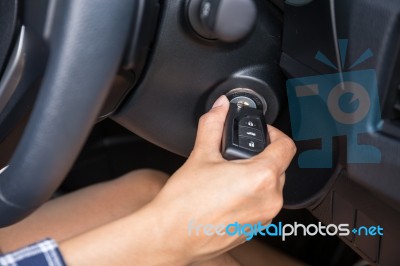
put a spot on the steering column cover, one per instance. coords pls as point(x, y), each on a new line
point(185, 72)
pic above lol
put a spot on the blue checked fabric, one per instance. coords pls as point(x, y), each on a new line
point(42, 253)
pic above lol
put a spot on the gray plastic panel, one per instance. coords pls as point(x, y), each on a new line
point(185, 70)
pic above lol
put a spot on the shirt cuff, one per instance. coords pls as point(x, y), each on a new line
point(42, 253)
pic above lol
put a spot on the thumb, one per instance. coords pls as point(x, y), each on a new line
point(211, 126)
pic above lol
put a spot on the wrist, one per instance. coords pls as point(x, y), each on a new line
point(166, 243)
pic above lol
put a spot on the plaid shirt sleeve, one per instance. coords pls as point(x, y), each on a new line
point(42, 253)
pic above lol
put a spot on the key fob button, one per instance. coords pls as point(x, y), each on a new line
point(251, 133)
point(251, 122)
point(250, 144)
point(245, 133)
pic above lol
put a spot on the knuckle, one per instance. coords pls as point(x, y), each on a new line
point(215, 116)
point(290, 145)
point(267, 179)
point(201, 119)
point(270, 171)
point(207, 119)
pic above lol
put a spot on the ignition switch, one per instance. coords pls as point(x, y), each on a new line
point(247, 97)
point(245, 133)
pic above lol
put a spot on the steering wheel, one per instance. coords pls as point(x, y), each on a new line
point(85, 41)
point(81, 59)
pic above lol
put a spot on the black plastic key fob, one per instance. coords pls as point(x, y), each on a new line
point(245, 133)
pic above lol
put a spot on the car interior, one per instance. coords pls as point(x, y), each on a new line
point(90, 90)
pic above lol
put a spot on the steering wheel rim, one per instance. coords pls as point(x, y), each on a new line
point(86, 40)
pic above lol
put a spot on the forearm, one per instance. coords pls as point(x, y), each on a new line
point(138, 239)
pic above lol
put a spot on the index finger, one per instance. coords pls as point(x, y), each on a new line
point(279, 152)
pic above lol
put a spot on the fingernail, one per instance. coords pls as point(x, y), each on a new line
point(220, 101)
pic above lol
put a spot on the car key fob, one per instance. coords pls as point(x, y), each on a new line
point(245, 133)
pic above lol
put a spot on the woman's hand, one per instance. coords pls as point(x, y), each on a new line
point(207, 189)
